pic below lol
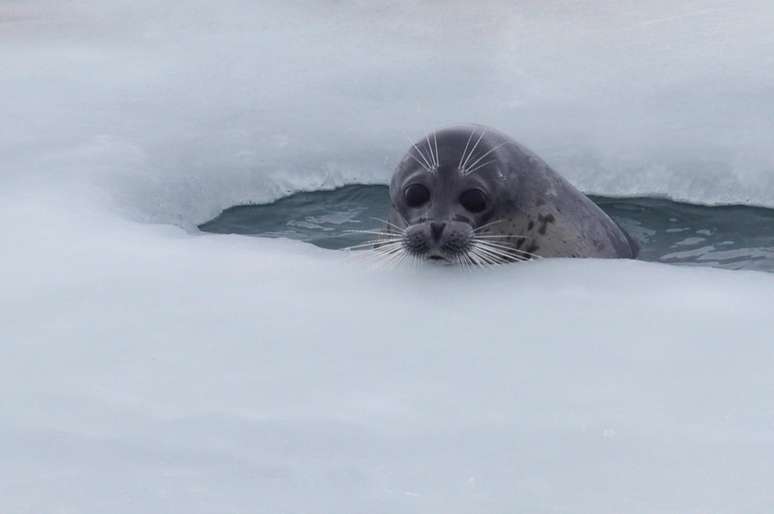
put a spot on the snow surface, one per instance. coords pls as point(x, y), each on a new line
point(148, 368)
point(180, 109)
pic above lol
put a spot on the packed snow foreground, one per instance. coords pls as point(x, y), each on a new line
point(148, 368)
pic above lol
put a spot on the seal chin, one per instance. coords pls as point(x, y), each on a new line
point(437, 258)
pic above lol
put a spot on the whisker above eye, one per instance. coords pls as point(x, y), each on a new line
point(472, 151)
point(433, 158)
point(437, 155)
point(469, 169)
point(462, 157)
point(420, 163)
point(427, 165)
point(473, 170)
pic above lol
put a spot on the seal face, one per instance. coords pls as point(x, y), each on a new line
point(471, 195)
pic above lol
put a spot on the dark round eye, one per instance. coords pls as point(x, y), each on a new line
point(416, 195)
point(474, 200)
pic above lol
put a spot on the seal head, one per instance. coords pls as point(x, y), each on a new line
point(471, 195)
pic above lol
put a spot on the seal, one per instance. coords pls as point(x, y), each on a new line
point(471, 195)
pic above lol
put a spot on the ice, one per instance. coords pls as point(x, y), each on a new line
point(192, 107)
point(147, 367)
point(149, 370)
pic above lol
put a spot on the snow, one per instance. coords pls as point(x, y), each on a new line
point(147, 367)
point(193, 107)
point(148, 370)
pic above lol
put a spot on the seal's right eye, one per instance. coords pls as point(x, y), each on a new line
point(416, 195)
point(474, 200)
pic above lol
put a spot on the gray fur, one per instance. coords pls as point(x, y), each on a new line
point(539, 211)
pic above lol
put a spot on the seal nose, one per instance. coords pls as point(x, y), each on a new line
point(436, 229)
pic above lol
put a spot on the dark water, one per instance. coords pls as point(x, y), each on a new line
point(732, 237)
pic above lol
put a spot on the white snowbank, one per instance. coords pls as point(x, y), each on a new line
point(150, 368)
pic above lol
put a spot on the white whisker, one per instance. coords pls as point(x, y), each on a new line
point(468, 171)
point(473, 170)
point(384, 239)
point(509, 248)
point(466, 261)
point(459, 166)
point(395, 259)
point(432, 155)
point(500, 258)
point(392, 225)
point(478, 229)
point(406, 256)
point(419, 162)
point(481, 259)
point(437, 155)
point(510, 252)
point(384, 258)
point(459, 259)
point(427, 166)
point(500, 236)
point(372, 232)
point(472, 151)
point(370, 245)
point(498, 254)
point(495, 246)
point(486, 259)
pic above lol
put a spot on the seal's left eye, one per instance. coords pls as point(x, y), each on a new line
point(416, 195)
point(474, 200)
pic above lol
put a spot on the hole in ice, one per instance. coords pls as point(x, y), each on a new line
point(733, 237)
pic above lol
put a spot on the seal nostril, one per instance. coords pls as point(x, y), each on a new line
point(436, 229)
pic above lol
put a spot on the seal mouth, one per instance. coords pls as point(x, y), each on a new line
point(438, 259)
